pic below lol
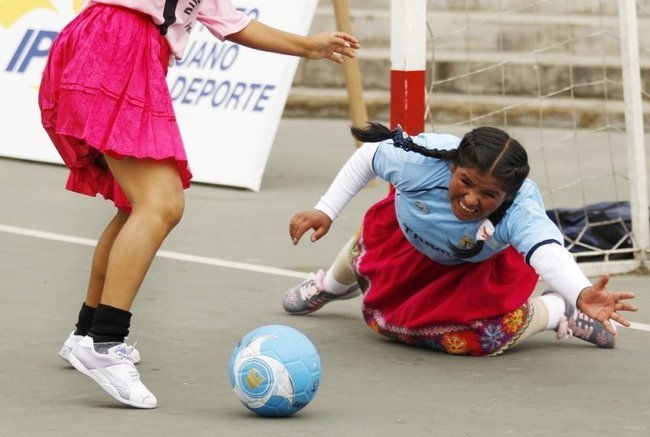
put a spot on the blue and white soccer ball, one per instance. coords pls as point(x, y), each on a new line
point(275, 370)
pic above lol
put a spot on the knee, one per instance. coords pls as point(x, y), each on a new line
point(167, 211)
point(172, 211)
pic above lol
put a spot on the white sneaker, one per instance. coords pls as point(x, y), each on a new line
point(114, 372)
point(132, 354)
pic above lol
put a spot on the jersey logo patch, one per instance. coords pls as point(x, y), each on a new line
point(466, 242)
point(422, 207)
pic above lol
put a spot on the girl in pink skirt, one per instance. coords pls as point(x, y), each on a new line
point(106, 106)
point(450, 258)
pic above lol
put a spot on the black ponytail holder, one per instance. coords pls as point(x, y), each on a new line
point(401, 140)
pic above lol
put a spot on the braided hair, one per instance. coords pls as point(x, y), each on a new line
point(486, 149)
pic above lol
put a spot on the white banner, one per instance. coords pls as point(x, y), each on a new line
point(228, 99)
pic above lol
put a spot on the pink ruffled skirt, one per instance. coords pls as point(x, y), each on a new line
point(104, 92)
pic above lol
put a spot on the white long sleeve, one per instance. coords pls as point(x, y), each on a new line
point(355, 174)
point(559, 269)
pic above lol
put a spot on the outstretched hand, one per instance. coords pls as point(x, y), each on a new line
point(602, 304)
point(302, 221)
point(332, 46)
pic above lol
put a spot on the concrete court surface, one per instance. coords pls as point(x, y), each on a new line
point(190, 313)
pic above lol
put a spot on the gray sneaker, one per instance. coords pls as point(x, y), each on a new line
point(311, 296)
point(575, 323)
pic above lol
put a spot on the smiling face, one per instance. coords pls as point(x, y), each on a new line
point(473, 194)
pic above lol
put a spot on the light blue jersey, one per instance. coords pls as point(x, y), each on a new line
point(424, 210)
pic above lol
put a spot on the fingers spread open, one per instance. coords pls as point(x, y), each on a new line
point(610, 328)
point(617, 318)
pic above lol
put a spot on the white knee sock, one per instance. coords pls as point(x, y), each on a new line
point(555, 306)
point(340, 276)
point(334, 286)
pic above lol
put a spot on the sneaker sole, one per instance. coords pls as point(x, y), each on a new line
point(301, 313)
point(106, 387)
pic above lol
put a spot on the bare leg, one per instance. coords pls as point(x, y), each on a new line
point(100, 258)
point(156, 194)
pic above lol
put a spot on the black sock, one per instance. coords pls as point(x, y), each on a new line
point(110, 324)
point(85, 319)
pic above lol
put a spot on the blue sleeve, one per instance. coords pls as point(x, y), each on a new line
point(526, 226)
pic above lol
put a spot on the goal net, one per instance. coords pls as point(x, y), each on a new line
point(563, 77)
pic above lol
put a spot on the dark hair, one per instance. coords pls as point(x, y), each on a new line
point(487, 149)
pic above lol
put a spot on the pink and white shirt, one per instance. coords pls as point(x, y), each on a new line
point(175, 18)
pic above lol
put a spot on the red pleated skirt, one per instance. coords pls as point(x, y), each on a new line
point(412, 298)
point(104, 91)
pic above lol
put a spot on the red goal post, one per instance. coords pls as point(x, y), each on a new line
point(408, 65)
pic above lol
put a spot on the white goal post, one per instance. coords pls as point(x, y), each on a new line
point(632, 96)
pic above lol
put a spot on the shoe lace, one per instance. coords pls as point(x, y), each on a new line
point(122, 352)
point(129, 347)
point(582, 326)
point(577, 325)
point(310, 287)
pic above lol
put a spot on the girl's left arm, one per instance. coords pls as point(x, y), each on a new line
point(559, 269)
point(327, 45)
point(529, 229)
point(602, 304)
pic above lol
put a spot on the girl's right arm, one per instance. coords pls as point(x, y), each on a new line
point(327, 45)
point(352, 178)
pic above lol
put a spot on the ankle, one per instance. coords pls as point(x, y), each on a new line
point(331, 285)
point(110, 324)
point(84, 320)
point(104, 347)
point(555, 307)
